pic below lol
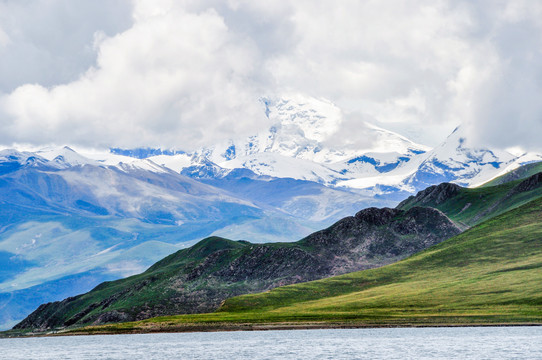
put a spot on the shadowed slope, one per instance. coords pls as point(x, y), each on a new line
point(471, 206)
point(200, 278)
point(490, 274)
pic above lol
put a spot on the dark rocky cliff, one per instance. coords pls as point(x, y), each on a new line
point(432, 196)
point(198, 279)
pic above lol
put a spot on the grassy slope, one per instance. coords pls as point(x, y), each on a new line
point(199, 279)
point(480, 200)
point(520, 173)
point(472, 206)
point(491, 273)
point(149, 290)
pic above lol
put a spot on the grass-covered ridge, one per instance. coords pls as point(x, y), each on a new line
point(470, 206)
point(495, 265)
point(198, 279)
point(489, 274)
point(520, 173)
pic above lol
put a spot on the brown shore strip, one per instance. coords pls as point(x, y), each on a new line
point(188, 328)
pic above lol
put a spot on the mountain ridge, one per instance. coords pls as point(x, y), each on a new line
point(215, 269)
point(63, 216)
point(488, 275)
point(299, 144)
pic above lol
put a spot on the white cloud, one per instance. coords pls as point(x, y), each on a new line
point(50, 40)
point(187, 73)
point(173, 79)
point(506, 108)
point(4, 38)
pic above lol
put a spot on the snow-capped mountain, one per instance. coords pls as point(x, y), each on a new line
point(297, 146)
point(301, 144)
point(459, 161)
point(454, 160)
point(302, 128)
point(71, 218)
point(69, 222)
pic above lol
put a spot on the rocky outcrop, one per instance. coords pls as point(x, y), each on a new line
point(531, 183)
point(200, 278)
point(433, 195)
point(374, 237)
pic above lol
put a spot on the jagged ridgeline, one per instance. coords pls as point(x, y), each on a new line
point(200, 278)
point(489, 274)
point(470, 206)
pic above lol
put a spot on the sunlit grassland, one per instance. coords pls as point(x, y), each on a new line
point(472, 206)
point(490, 274)
point(522, 172)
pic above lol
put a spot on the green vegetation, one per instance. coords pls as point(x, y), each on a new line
point(471, 206)
point(522, 172)
point(200, 278)
point(146, 290)
point(489, 274)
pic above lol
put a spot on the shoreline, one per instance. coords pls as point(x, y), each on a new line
point(193, 328)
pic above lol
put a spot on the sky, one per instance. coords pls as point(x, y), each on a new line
point(185, 74)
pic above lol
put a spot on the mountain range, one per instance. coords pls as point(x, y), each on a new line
point(301, 143)
point(200, 278)
point(69, 222)
point(73, 219)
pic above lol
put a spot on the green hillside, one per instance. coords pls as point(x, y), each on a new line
point(489, 274)
point(522, 172)
point(442, 281)
point(198, 279)
point(492, 272)
point(470, 206)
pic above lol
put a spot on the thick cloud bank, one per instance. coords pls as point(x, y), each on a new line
point(187, 73)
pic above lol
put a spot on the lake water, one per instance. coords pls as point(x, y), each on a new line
point(420, 343)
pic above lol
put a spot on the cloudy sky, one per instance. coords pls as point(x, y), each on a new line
point(182, 74)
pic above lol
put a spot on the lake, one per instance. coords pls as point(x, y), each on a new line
point(394, 343)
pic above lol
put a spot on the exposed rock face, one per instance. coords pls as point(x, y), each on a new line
point(375, 237)
point(531, 183)
point(435, 195)
point(198, 279)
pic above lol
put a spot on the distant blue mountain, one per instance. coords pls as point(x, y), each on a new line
point(68, 222)
point(143, 153)
point(64, 228)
